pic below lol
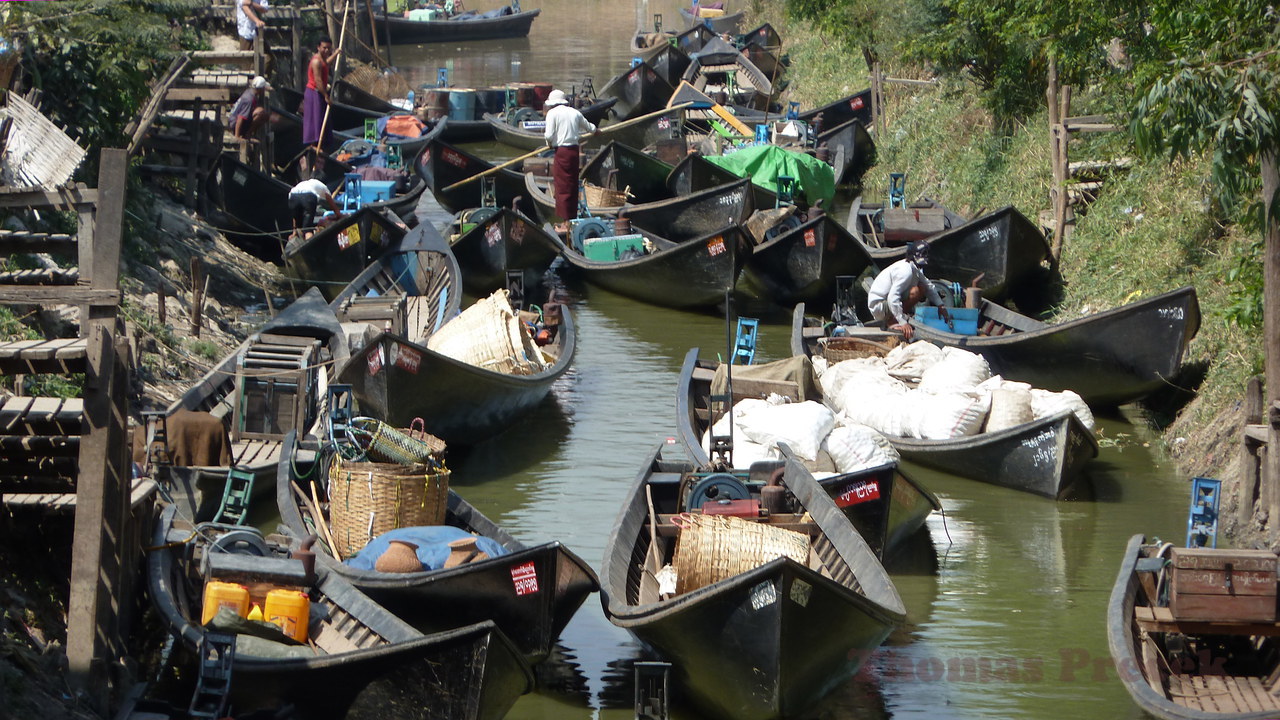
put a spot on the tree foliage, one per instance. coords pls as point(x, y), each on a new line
point(94, 58)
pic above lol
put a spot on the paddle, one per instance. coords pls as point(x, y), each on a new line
point(599, 131)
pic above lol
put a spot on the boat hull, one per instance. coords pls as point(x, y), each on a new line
point(398, 381)
point(337, 253)
point(403, 30)
point(442, 165)
point(802, 265)
point(506, 241)
point(1109, 358)
point(693, 274)
point(639, 90)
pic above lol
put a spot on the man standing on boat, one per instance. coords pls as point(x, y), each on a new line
point(315, 99)
point(898, 288)
point(565, 126)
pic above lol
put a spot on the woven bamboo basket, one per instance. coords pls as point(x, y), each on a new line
point(836, 349)
point(489, 335)
point(603, 197)
point(367, 499)
point(711, 548)
point(405, 446)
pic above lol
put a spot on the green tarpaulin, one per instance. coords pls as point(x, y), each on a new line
point(815, 179)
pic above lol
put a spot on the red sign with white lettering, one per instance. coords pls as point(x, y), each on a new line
point(715, 246)
point(406, 358)
point(810, 238)
point(375, 361)
point(525, 578)
point(859, 492)
point(856, 103)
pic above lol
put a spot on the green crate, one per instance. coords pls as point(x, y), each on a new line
point(610, 249)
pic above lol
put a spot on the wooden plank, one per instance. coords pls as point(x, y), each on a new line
point(15, 408)
point(207, 94)
point(44, 409)
point(69, 295)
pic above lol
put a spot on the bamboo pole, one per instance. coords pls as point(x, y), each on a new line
point(328, 106)
point(600, 131)
point(1271, 330)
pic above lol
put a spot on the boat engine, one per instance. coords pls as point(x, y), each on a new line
point(715, 488)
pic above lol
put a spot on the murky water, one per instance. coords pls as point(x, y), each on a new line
point(1006, 592)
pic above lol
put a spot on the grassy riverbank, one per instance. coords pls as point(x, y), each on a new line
point(1152, 228)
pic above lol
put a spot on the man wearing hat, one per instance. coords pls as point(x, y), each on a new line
point(898, 288)
point(250, 113)
point(565, 126)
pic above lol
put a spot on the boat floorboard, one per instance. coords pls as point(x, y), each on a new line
point(256, 452)
point(1222, 693)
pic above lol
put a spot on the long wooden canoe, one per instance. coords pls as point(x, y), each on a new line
point(764, 643)
point(492, 242)
point(554, 581)
point(639, 89)
point(335, 254)
point(441, 165)
point(502, 23)
point(360, 660)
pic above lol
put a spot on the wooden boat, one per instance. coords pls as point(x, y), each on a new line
point(721, 67)
point(691, 274)
point(802, 259)
point(694, 215)
point(360, 660)
point(619, 166)
point(838, 112)
point(355, 96)
point(695, 173)
point(555, 581)
point(1043, 457)
point(767, 642)
point(1109, 358)
point(1001, 250)
point(491, 242)
point(409, 147)
point(540, 191)
point(639, 89)
point(341, 115)
point(639, 134)
point(1178, 669)
point(849, 150)
point(900, 505)
point(397, 378)
point(274, 382)
point(726, 24)
point(441, 165)
point(505, 22)
point(335, 254)
point(251, 202)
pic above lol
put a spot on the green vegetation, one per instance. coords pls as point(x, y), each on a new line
point(975, 143)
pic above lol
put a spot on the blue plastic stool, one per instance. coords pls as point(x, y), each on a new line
point(762, 134)
point(352, 192)
point(442, 77)
point(744, 346)
point(897, 190)
point(1202, 519)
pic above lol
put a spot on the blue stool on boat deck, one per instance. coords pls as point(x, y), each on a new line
point(371, 129)
point(744, 347)
point(897, 190)
point(1202, 520)
point(352, 192)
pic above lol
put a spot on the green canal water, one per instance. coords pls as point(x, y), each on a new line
point(1006, 593)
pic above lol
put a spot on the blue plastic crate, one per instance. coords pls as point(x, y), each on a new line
point(964, 321)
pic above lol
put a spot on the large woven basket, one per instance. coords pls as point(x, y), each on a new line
point(367, 499)
point(489, 335)
point(836, 349)
point(603, 197)
point(711, 548)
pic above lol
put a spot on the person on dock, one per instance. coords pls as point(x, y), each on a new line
point(304, 200)
point(249, 21)
point(898, 288)
point(565, 126)
point(250, 113)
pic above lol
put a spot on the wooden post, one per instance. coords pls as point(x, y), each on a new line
point(102, 482)
point(160, 305)
point(1271, 330)
point(877, 99)
point(328, 16)
point(259, 50)
point(1249, 450)
point(197, 271)
point(1066, 223)
point(299, 67)
point(1055, 188)
point(373, 28)
point(193, 156)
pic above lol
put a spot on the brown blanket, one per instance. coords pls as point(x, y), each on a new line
point(195, 439)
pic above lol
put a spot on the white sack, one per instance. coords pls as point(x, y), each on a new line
point(910, 361)
point(1045, 403)
point(802, 426)
point(958, 370)
point(855, 447)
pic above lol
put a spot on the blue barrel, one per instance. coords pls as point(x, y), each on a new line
point(462, 104)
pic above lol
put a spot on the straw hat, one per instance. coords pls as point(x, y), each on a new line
point(556, 98)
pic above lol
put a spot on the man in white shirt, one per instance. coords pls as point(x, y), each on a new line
point(565, 127)
point(304, 200)
point(898, 288)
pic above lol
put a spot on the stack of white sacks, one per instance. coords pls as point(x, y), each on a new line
point(917, 391)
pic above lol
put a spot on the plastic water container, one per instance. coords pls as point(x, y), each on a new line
point(462, 104)
point(964, 321)
point(290, 610)
point(218, 595)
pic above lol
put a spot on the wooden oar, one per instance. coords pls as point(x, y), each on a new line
point(599, 131)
